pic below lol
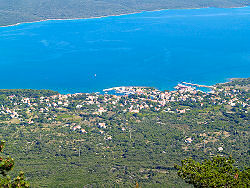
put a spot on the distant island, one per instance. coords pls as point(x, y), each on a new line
point(13, 11)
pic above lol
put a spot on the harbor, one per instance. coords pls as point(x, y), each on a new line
point(198, 85)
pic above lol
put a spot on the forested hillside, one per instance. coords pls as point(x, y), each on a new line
point(103, 140)
point(16, 11)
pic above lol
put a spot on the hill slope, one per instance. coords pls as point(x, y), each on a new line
point(94, 140)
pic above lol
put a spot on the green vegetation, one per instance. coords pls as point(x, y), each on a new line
point(7, 165)
point(103, 140)
point(27, 93)
point(16, 11)
point(218, 172)
point(239, 83)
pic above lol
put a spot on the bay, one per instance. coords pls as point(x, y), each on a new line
point(157, 48)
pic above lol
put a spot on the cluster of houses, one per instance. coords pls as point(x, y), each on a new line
point(128, 99)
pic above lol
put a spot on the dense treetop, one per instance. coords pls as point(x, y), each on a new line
point(6, 165)
point(218, 172)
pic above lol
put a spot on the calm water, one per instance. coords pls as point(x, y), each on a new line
point(158, 49)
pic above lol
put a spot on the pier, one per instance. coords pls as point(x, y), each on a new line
point(198, 85)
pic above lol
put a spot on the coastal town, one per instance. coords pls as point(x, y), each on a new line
point(134, 100)
point(125, 93)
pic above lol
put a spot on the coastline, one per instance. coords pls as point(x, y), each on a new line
point(112, 15)
point(131, 87)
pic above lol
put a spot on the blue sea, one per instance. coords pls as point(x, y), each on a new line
point(158, 49)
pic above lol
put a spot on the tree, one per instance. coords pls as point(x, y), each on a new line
point(218, 172)
point(7, 165)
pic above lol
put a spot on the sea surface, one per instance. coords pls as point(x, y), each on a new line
point(158, 49)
